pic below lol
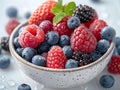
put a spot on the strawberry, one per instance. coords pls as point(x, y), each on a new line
point(114, 65)
point(56, 58)
point(43, 12)
point(83, 40)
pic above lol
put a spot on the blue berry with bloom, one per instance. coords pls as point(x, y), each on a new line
point(107, 81)
point(73, 22)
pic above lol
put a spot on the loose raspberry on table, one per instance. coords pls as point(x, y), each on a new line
point(96, 28)
point(43, 12)
point(114, 65)
point(83, 40)
point(32, 36)
point(11, 25)
point(56, 58)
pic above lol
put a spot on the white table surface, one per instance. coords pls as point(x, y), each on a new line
point(12, 77)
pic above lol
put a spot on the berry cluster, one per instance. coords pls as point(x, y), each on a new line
point(62, 41)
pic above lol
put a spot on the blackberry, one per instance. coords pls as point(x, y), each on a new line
point(84, 13)
point(4, 43)
point(83, 58)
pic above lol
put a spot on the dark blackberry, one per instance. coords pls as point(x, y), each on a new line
point(84, 13)
point(83, 58)
point(4, 43)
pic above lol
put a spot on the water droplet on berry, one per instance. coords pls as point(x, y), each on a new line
point(11, 83)
point(2, 87)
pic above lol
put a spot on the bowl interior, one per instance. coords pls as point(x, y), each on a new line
point(12, 50)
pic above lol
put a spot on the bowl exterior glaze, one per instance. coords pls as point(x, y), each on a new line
point(54, 78)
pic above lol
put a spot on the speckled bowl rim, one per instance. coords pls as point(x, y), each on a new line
point(18, 58)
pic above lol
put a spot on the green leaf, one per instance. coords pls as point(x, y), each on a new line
point(60, 2)
point(69, 8)
point(59, 17)
point(57, 9)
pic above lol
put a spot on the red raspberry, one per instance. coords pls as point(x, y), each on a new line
point(46, 25)
point(43, 12)
point(11, 25)
point(114, 65)
point(31, 36)
point(83, 40)
point(56, 58)
point(62, 27)
point(96, 28)
point(87, 24)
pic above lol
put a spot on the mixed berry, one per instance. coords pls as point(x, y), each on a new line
point(62, 39)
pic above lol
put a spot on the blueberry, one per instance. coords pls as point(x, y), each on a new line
point(68, 51)
point(95, 0)
point(28, 53)
point(118, 50)
point(24, 87)
point(103, 45)
point(71, 63)
point(0, 50)
point(108, 33)
point(107, 81)
point(52, 37)
point(96, 55)
point(64, 40)
point(115, 51)
point(12, 12)
point(39, 60)
point(73, 22)
point(16, 43)
point(4, 61)
point(44, 47)
point(19, 51)
point(117, 41)
point(27, 15)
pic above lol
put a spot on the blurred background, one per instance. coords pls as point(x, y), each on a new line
point(11, 77)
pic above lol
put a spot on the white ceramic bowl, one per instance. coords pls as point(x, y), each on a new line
point(60, 78)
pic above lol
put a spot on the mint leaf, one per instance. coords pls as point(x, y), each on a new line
point(69, 8)
point(59, 17)
point(57, 9)
point(60, 2)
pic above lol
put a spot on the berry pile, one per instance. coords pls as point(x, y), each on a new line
point(63, 36)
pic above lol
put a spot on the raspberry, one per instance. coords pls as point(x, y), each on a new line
point(11, 25)
point(62, 27)
point(46, 26)
point(31, 36)
point(83, 40)
point(96, 28)
point(56, 58)
point(114, 65)
point(43, 12)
